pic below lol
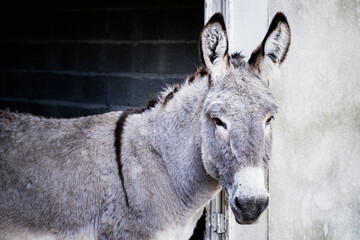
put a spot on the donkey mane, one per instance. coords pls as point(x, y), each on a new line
point(236, 60)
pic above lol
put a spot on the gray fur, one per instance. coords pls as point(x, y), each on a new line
point(59, 177)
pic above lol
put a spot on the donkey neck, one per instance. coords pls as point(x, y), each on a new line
point(162, 161)
point(177, 137)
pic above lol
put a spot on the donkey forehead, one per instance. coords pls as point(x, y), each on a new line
point(242, 89)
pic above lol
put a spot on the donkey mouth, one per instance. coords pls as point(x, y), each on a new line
point(245, 218)
point(244, 221)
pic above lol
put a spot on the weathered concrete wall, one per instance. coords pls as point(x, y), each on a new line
point(315, 168)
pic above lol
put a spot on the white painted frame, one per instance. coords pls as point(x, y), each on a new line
point(246, 23)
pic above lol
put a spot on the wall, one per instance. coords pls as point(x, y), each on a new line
point(65, 60)
point(314, 172)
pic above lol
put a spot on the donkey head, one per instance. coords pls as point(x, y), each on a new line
point(236, 131)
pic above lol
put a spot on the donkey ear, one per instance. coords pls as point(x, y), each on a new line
point(214, 46)
point(269, 55)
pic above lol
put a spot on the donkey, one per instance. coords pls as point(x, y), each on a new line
point(148, 173)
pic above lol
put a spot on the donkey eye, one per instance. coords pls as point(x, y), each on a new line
point(269, 120)
point(219, 123)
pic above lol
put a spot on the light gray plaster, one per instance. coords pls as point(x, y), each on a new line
point(314, 172)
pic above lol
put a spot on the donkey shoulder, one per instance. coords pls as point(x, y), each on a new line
point(59, 169)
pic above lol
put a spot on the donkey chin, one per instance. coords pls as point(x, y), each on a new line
point(250, 198)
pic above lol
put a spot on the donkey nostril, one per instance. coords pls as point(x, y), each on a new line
point(266, 205)
point(243, 204)
point(262, 204)
point(238, 203)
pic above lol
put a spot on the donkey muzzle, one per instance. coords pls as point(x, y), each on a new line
point(249, 197)
point(247, 210)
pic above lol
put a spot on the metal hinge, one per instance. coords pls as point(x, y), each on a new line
point(218, 222)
